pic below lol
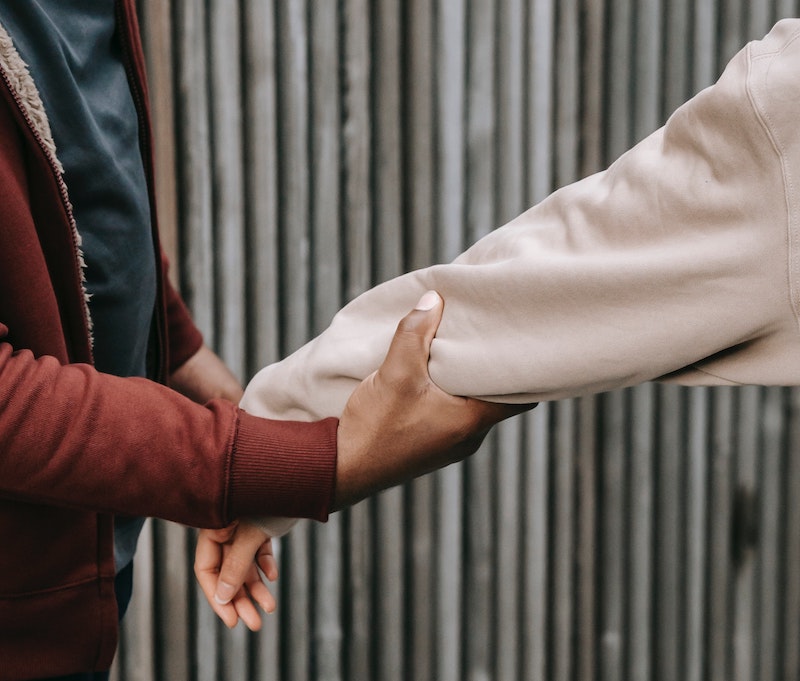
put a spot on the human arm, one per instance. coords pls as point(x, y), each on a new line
point(678, 262)
point(75, 437)
point(397, 425)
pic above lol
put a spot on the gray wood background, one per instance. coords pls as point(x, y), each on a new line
point(308, 149)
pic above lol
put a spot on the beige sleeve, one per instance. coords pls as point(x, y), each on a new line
point(679, 262)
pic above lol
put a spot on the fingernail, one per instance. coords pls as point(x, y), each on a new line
point(428, 301)
point(224, 593)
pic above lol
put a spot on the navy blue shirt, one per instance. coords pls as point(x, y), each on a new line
point(74, 55)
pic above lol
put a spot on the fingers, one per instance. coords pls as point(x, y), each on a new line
point(227, 566)
point(265, 558)
point(238, 561)
point(208, 556)
point(410, 348)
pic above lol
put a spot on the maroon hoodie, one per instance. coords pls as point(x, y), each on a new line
point(77, 446)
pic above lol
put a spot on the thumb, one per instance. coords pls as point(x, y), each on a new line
point(411, 345)
point(237, 561)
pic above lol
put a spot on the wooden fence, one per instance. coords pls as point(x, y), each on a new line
point(308, 149)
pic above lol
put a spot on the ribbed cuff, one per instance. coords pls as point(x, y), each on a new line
point(282, 468)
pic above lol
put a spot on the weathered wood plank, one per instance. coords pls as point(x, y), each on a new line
point(611, 650)
point(480, 202)
point(261, 177)
point(746, 500)
point(326, 254)
point(227, 181)
point(194, 171)
point(292, 34)
point(641, 530)
point(697, 539)
point(450, 65)
point(419, 172)
point(563, 541)
point(157, 36)
point(720, 550)
point(388, 247)
point(769, 594)
point(668, 653)
point(791, 613)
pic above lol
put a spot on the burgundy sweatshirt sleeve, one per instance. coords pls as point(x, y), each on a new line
point(295, 460)
point(74, 437)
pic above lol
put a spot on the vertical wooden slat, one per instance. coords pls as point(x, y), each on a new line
point(641, 506)
point(541, 45)
point(225, 126)
point(722, 457)
point(480, 195)
point(646, 117)
point(791, 612)
point(508, 565)
point(587, 541)
point(294, 215)
point(510, 202)
point(592, 87)
point(536, 537)
point(325, 205)
point(614, 445)
point(540, 41)
point(261, 218)
point(136, 660)
point(612, 530)
point(668, 649)
point(157, 36)
point(294, 180)
point(197, 247)
point(705, 45)
point(387, 242)
point(194, 177)
point(697, 540)
point(228, 181)
point(732, 30)
point(450, 61)
point(678, 59)
point(418, 108)
point(647, 69)
point(327, 615)
point(419, 173)
point(563, 539)
point(618, 90)
point(786, 8)
point(759, 19)
point(174, 584)
point(261, 177)
point(450, 102)
point(567, 108)
point(745, 654)
point(770, 517)
point(565, 170)
point(356, 139)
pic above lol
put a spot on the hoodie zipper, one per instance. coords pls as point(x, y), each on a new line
point(55, 169)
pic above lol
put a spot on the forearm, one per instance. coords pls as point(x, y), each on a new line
point(77, 438)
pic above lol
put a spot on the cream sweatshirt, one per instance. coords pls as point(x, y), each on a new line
point(680, 262)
